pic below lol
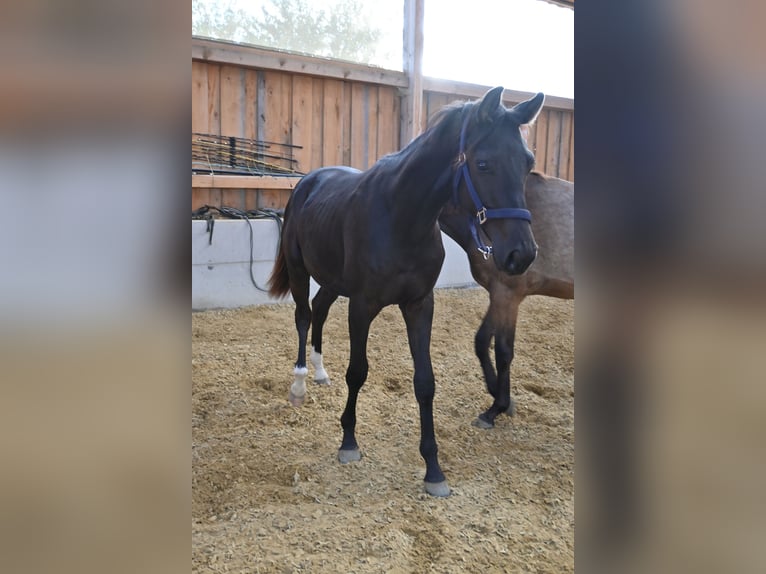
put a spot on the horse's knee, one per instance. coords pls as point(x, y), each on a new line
point(356, 374)
point(504, 354)
point(482, 340)
point(504, 348)
point(425, 389)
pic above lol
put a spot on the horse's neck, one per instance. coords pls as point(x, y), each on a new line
point(424, 182)
point(456, 224)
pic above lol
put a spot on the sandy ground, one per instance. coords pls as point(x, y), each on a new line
point(270, 496)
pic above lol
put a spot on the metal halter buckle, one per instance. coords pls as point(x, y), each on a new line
point(481, 215)
point(460, 159)
point(486, 251)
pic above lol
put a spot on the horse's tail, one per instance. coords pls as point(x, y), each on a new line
point(279, 281)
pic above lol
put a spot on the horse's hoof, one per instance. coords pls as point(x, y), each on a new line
point(440, 489)
point(511, 410)
point(481, 423)
point(296, 401)
point(346, 456)
point(325, 381)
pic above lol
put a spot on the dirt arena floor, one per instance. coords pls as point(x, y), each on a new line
point(268, 494)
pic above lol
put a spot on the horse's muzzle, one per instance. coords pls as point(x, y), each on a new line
point(519, 260)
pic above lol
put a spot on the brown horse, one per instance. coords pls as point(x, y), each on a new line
point(551, 202)
point(372, 236)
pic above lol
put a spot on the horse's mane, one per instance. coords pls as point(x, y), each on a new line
point(439, 115)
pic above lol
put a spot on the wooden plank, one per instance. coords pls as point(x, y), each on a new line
point(215, 197)
point(345, 124)
point(565, 149)
point(214, 99)
point(413, 120)
point(317, 135)
point(332, 145)
point(475, 91)
point(541, 143)
point(244, 181)
point(221, 52)
point(278, 93)
point(397, 125)
point(233, 198)
point(260, 109)
point(553, 144)
point(435, 103)
point(232, 101)
point(302, 120)
point(359, 126)
point(251, 104)
point(200, 197)
point(373, 114)
point(199, 97)
point(387, 117)
point(571, 168)
point(251, 199)
point(273, 198)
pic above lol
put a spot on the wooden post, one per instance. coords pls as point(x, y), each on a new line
point(412, 102)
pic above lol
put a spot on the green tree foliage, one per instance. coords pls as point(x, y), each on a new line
point(340, 31)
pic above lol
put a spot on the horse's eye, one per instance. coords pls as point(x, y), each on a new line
point(483, 165)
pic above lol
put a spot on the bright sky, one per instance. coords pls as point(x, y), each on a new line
point(525, 45)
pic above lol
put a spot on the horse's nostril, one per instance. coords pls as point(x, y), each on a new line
point(518, 261)
point(513, 262)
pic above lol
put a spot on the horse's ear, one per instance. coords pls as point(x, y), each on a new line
point(489, 103)
point(526, 112)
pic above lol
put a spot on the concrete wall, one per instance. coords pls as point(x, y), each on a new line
point(220, 276)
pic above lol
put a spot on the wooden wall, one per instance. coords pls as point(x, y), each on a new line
point(339, 113)
point(334, 121)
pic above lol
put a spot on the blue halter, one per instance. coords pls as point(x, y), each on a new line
point(482, 213)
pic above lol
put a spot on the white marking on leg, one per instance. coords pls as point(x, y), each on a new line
point(298, 388)
point(320, 375)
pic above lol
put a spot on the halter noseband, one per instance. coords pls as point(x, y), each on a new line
point(482, 213)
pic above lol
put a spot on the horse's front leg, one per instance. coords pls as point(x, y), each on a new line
point(360, 315)
point(418, 316)
point(503, 312)
point(482, 342)
point(320, 306)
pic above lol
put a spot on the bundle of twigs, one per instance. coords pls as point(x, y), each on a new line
point(212, 154)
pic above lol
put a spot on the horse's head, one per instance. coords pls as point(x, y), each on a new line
point(492, 166)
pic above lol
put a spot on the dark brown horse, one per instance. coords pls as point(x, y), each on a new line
point(373, 237)
point(551, 202)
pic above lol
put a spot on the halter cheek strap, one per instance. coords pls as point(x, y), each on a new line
point(482, 213)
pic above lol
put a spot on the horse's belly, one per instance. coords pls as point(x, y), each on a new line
point(408, 283)
point(328, 276)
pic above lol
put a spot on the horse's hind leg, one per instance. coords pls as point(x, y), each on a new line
point(360, 315)
point(299, 285)
point(320, 306)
